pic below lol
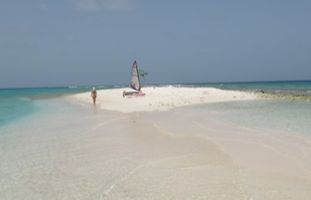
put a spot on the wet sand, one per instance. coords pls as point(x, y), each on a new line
point(81, 152)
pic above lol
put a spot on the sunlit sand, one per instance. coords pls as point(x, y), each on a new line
point(163, 98)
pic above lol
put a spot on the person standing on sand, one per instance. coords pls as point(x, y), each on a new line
point(94, 95)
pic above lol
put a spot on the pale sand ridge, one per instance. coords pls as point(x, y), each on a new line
point(162, 98)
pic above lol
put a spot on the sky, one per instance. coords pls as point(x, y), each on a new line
point(93, 42)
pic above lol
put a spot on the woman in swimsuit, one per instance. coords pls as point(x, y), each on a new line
point(94, 95)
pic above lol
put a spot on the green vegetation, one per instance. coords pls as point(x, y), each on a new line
point(284, 96)
point(142, 73)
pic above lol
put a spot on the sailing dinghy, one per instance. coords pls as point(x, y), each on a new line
point(135, 83)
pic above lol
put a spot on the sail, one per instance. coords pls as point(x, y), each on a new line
point(135, 82)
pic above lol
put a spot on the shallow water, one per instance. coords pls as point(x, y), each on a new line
point(13, 108)
point(18, 103)
point(65, 150)
point(280, 115)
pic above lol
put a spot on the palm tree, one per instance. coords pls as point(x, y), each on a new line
point(142, 74)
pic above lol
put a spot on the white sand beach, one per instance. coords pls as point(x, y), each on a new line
point(162, 98)
point(115, 151)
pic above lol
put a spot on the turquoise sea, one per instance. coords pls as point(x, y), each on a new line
point(16, 103)
point(280, 113)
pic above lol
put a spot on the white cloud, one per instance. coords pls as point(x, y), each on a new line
point(91, 5)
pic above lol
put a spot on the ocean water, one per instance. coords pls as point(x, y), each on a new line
point(13, 107)
point(279, 115)
point(286, 108)
point(18, 103)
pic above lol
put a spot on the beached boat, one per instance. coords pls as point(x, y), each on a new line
point(135, 83)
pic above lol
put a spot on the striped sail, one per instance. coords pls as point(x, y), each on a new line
point(135, 82)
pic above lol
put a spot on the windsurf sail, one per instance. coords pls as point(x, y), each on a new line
point(135, 82)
